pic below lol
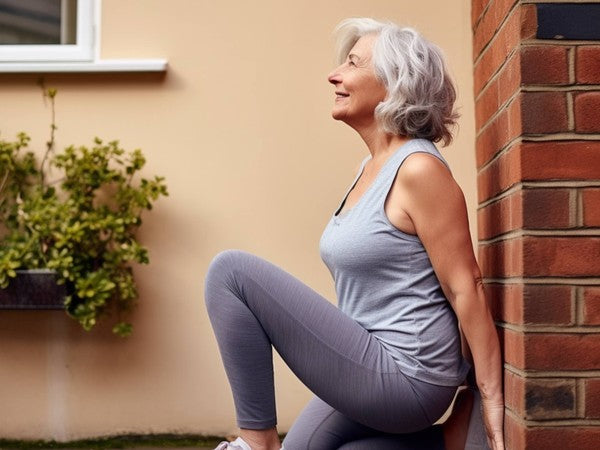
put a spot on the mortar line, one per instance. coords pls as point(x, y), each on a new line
point(580, 208)
point(571, 56)
point(573, 207)
point(580, 397)
point(561, 184)
point(563, 42)
point(499, 29)
point(541, 329)
point(504, 149)
point(535, 185)
point(497, 74)
point(570, 112)
point(504, 107)
point(580, 281)
point(562, 137)
point(483, 13)
point(575, 292)
point(521, 232)
point(553, 423)
point(559, 88)
point(579, 313)
point(552, 374)
point(511, 190)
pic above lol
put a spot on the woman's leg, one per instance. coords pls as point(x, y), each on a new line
point(430, 439)
point(320, 427)
point(253, 304)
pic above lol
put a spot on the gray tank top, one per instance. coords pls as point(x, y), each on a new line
point(384, 280)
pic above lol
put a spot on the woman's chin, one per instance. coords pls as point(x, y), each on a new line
point(338, 115)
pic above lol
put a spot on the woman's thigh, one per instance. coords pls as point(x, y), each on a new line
point(321, 427)
point(334, 356)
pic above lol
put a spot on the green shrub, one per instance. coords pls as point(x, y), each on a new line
point(81, 224)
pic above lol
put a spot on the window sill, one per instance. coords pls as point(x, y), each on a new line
point(107, 65)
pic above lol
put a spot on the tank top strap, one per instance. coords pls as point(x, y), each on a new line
point(351, 186)
point(393, 164)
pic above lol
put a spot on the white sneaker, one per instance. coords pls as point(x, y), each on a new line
point(238, 444)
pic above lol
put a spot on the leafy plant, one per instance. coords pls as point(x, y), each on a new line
point(82, 224)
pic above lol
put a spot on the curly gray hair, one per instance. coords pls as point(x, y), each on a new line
point(420, 94)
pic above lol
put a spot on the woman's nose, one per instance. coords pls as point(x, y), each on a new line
point(334, 77)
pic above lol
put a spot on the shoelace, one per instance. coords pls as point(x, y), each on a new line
point(224, 445)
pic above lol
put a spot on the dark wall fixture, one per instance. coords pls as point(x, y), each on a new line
point(573, 21)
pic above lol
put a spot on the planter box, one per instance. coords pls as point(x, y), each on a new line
point(33, 289)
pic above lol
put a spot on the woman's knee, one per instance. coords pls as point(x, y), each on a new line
point(227, 261)
point(220, 270)
point(224, 261)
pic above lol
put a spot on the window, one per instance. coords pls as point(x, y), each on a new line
point(42, 36)
point(46, 30)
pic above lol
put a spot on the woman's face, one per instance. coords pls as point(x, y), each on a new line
point(358, 91)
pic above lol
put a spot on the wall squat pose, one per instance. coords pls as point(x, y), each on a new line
point(386, 363)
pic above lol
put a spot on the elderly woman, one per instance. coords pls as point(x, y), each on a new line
point(385, 365)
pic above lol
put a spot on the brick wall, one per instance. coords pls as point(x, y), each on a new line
point(538, 161)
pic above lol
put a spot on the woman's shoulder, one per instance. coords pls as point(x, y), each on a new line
point(425, 174)
point(421, 165)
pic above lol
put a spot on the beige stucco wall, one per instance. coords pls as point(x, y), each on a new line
point(240, 127)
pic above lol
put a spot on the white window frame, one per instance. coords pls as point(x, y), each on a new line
point(82, 51)
point(84, 57)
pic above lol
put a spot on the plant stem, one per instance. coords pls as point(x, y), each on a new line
point(50, 143)
point(4, 180)
point(2, 184)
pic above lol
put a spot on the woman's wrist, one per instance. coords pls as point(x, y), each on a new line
point(491, 394)
point(490, 388)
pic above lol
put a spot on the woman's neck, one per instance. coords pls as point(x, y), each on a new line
point(379, 142)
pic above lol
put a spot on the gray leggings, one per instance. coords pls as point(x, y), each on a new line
point(363, 401)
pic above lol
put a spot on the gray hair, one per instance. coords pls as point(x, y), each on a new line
point(420, 94)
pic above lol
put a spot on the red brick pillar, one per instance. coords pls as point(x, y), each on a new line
point(537, 91)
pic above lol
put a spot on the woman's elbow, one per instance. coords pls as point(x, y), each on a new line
point(465, 288)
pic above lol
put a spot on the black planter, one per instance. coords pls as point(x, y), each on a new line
point(33, 289)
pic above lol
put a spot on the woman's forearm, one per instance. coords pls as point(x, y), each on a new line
point(479, 330)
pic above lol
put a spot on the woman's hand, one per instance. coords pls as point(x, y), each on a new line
point(493, 418)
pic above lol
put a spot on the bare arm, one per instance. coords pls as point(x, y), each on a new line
point(435, 204)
